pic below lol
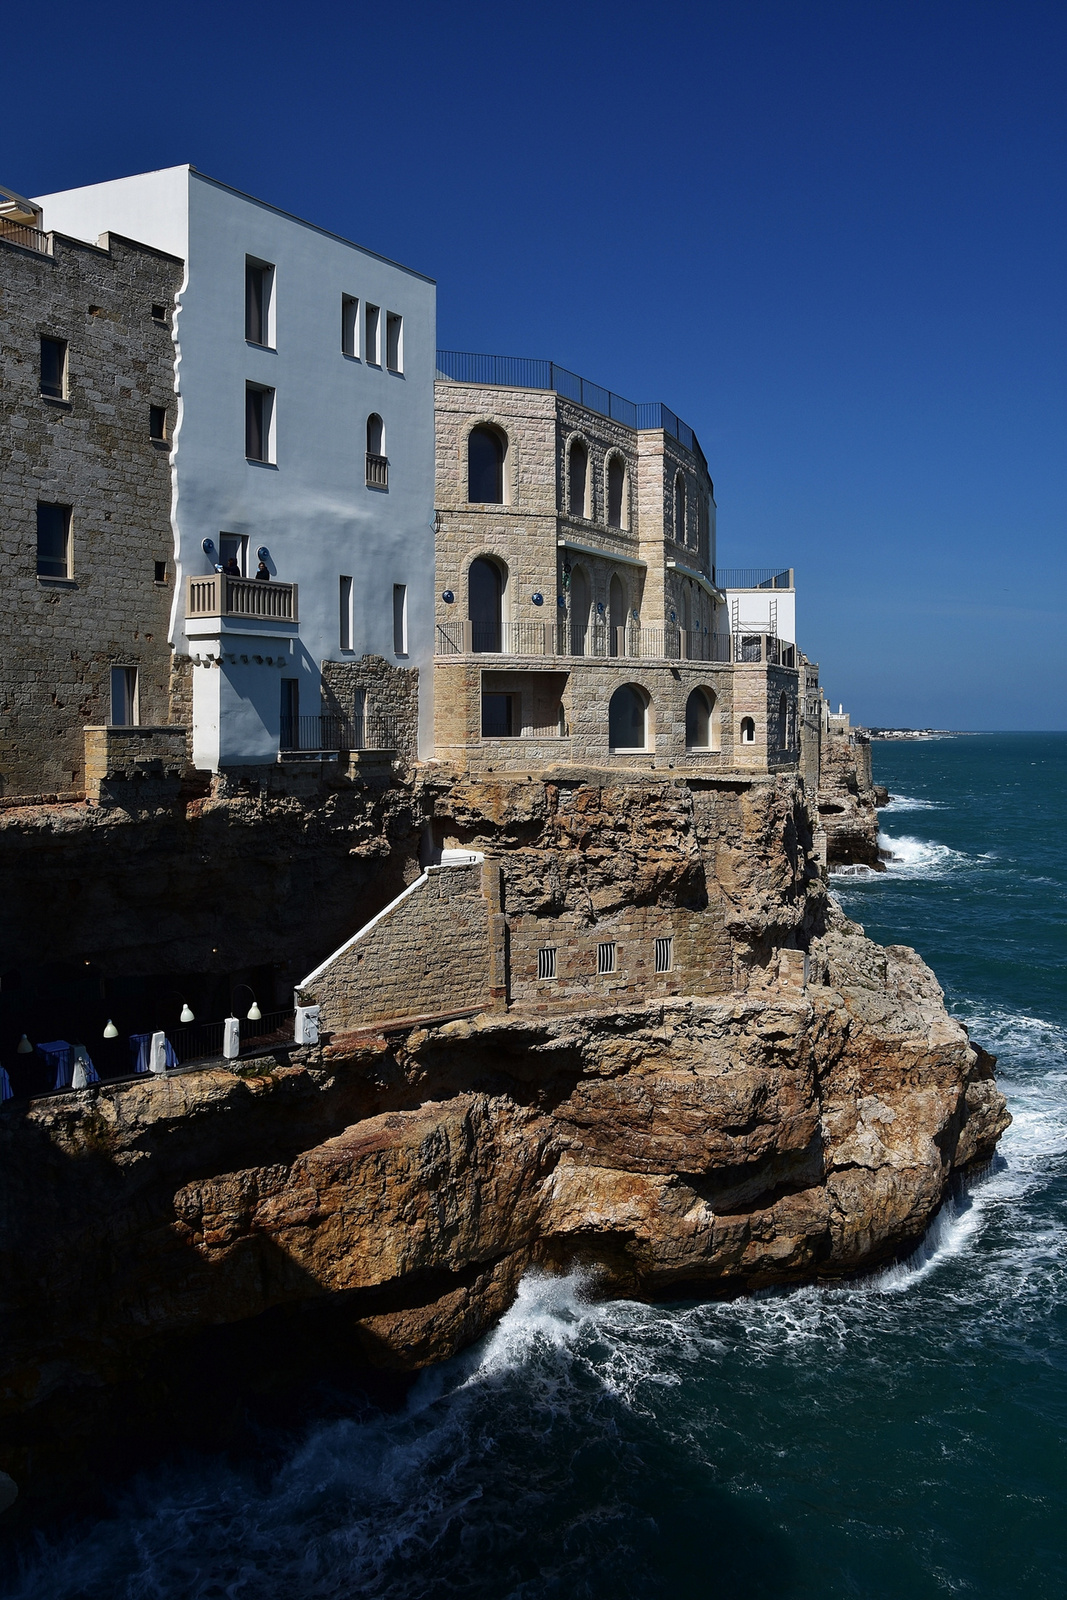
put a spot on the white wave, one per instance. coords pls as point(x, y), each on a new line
point(908, 802)
point(853, 870)
point(906, 857)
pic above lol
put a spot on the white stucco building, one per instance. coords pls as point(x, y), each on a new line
point(304, 370)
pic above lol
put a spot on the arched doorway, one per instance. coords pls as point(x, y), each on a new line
point(485, 466)
point(616, 617)
point(628, 718)
point(485, 600)
point(580, 598)
point(699, 710)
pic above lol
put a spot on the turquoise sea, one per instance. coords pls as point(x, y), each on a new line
point(897, 1439)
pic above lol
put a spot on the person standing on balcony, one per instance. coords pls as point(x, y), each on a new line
point(231, 569)
point(263, 572)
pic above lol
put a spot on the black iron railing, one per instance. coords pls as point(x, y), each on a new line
point(202, 1041)
point(333, 732)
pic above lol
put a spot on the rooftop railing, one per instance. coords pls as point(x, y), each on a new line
point(218, 595)
point(21, 233)
point(529, 372)
point(754, 577)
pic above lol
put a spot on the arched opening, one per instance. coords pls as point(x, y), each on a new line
point(375, 435)
point(628, 718)
point(485, 466)
point(580, 598)
point(748, 731)
point(616, 616)
point(679, 509)
point(486, 580)
point(577, 479)
point(616, 492)
point(699, 725)
point(783, 722)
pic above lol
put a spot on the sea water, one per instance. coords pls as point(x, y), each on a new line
point(900, 1437)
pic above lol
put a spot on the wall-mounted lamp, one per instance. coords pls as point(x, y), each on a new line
point(111, 1032)
point(254, 1013)
point(538, 599)
point(186, 1013)
point(24, 1047)
point(208, 547)
point(263, 553)
point(448, 597)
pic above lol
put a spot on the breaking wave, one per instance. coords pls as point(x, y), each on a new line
point(906, 857)
point(907, 802)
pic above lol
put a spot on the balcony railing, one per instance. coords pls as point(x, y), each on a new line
point(219, 595)
point(377, 471)
point(21, 233)
point(529, 372)
point(333, 732)
point(598, 641)
point(754, 577)
point(202, 1041)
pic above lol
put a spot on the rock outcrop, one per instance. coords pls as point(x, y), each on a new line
point(847, 801)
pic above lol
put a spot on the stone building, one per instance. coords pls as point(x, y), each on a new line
point(87, 410)
point(578, 617)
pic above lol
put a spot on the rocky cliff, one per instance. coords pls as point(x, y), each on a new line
point(803, 1125)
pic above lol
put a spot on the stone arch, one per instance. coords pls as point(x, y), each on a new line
point(616, 491)
point(487, 582)
point(701, 731)
point(616, 613)
point(581, 593)
point(579, 478)
point(628, 718)
point(487, 459)
point(748, 730)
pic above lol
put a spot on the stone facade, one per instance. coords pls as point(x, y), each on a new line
point(90, 449)
point(589, 605)
point(386, 697)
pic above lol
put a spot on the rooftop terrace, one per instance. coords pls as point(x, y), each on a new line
point(529, 372)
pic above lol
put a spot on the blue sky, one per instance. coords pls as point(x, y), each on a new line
point(830, 236)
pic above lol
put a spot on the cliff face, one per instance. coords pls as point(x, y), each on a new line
point(848, 800)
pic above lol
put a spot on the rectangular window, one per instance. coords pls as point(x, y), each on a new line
point(259, 423)
point(259, 302)
point(345, 613)
point(233, 553)
point(54, 368)
point(157, 422)
point(605, 958)
point(159, 313)
point(349, 325)
point(664, 955)
point(290, 714)
point(394, 349)
point(499, 720)
point(371, 352)
point(161, 572)
point(400, 619)
point(546, 963)
point(124, 713)
point(53, 540)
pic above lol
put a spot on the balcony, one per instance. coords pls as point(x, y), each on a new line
point(23, 234)
point(377, 471)
point(754, 578)
point(300, 735)
point(219, 595)
point(600, 642)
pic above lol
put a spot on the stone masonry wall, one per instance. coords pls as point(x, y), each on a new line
point(93, 452)
point(429, 953)
point(382, 689)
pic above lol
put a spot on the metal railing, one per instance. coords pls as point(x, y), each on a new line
point(530, 372)
point(329, 731)
point(754, 577)
point(219, 595)
point(377, 471)
point(202, 1041)
point(21, 233)
point(571, 640)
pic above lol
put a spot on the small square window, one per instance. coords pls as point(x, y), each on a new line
point(53, 368)
point(159, 313)
point(664, 955)
point(161, 572)
point(157, 422)
point(605, 958)
point(546, 963)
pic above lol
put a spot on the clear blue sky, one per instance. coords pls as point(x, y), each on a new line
point(830, 236)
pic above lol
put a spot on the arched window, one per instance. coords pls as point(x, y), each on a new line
point(783, 722)
point(698, 720)
point(375, 435)
point(580, 601)
point(486, 581)
point(577, 479)
point(679, 509)
point(485, 466)
point(616, 492)
point(748, 731)
point(628, 718)
point(616, 616)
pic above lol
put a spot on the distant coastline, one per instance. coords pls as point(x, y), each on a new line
point(916, 733)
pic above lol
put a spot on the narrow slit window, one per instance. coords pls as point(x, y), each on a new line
point(605, 958)
point(53, 540)
point(394, 344)
point(400, 619)
point(157, 423)
point(161, 572)
point(345, 617)
point(664, 955)
point(259, 295)
point(546, 963)
point(259, 418)
point(54, 368)
point(349, 325)
point(371, 352)
point(124, 697)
